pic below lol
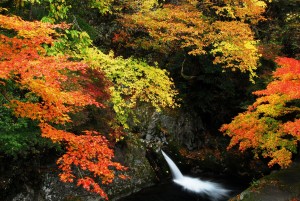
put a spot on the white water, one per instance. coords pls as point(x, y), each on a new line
point(213, 190)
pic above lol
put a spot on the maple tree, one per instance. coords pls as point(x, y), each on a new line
point(271, 125)
point(54, 87)
point(134, 81)
point(221, 29)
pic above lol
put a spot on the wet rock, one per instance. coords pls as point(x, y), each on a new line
point(46, 185)
point(182, 128)
point(140, 172)
point(282, 185)
point(27, 195)
point(52, 189)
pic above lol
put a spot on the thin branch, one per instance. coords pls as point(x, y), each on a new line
point(187, 77)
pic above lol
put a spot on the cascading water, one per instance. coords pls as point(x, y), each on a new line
point(174, 169)
point(213, 190)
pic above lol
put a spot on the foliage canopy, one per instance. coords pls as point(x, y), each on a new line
point(51, 73)
point(271, 126)
point(54, 87)
point(57, 72)
point(221, 30)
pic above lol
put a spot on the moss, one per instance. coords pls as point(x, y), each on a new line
point(281, 185)
point(72, 198)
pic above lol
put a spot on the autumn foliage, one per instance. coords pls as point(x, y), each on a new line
point(271, 126)
point(53, 75)
point(221, 29)
point(54, 87)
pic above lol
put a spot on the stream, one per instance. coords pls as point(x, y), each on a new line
point(184, 187)
point(170, 191)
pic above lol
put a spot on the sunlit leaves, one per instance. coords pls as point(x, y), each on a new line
point(271, 126)
point(282, 157)
point(56, 86)
point(226, 36)
point(104, 6)
point(170, 27)
point(234, 46)
point(244, 10)
point(133, 82)
point(292, 128)
point(59, 9)
point(138, 5)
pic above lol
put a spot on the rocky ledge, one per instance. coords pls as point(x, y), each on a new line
point(282, 185)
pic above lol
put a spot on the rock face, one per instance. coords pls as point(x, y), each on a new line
point(283, 185)
point(52, 189)
point(49, 188)
point(139, 171)
point(182, 128)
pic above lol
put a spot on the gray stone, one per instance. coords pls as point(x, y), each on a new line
point(282, 185)
point(133, 156)
point(182, 128)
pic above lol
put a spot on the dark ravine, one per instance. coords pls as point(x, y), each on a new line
point(168, 190)
point(148, 171)
point(138, 152)
point(281, 185)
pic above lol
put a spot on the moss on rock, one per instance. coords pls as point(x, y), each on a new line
point(282, 185)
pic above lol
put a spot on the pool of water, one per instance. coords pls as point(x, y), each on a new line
point(170, 191)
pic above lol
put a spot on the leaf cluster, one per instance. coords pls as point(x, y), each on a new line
point(224, 32)
point(133, 81)
point(49, 88)
point(59, 72)
point(271, 126)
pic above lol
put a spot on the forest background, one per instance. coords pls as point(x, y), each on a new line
point(73, 75)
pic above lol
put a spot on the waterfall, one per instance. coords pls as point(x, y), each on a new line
point(174, 169)
point(214, 190)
